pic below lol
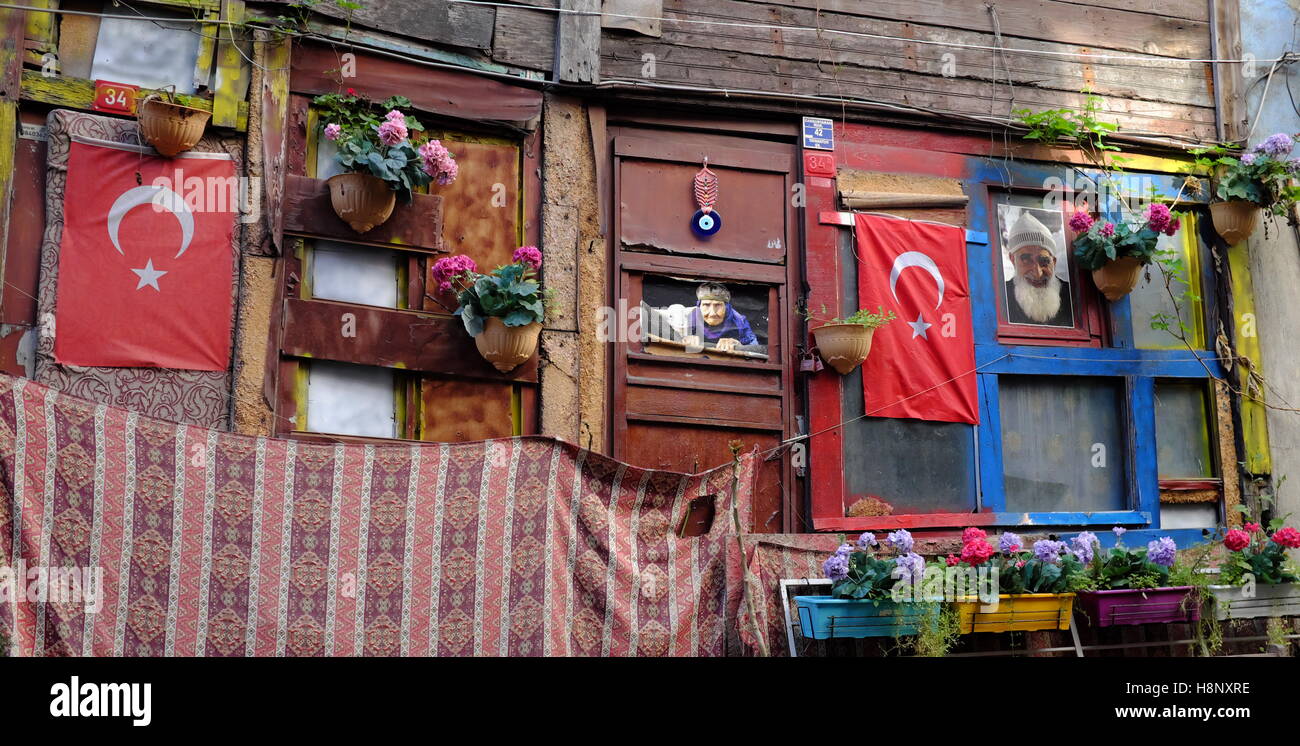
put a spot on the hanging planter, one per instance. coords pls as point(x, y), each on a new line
point(361, 200)
point(1117, 278)
point(1231, 602)
point(170, 127)
point(845, 343)
point(380, 156)
point(1176, 605)
point(1018, 612)
point(824, 617)
point(1235, 220)
point(507, 347)
point(503, 310)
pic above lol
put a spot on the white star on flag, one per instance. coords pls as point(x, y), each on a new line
point(919, 326)
point(149, 276)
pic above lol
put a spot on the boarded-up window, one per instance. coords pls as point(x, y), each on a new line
point(915, 466)
point(354, 274)
point(149, 54)
point(1183, 431)
point(1062, 443)
point(347, 399)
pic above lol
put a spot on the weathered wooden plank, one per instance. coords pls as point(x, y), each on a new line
point(525, 37)
point(274, 129)
point(232, 75)
point(439, 21)
point(13, 25)
point(42, 31)
point(462, 95)
point(1069, 23)
point(640, 16)
point(578, 41)
point(1231, 86)
point(79, 93)
point(413, 227)
point(389, 338)
point(1192, 10)
point(1159, 79)
point(715, 69)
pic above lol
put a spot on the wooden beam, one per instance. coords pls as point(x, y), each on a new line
point(1229, 85)
point(276, 54)
point(872, 200)
point(308, 211)
point(231, 72)
point(577, 42)
point(79, 93)
point(13, 24)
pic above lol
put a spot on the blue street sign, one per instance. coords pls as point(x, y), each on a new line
point(818, 133)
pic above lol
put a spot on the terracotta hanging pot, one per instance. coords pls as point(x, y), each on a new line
point(361, 200)
point(1235, 219)
point(507, 347)
point(843, 346)
point(1118, 277)
point(169, 127)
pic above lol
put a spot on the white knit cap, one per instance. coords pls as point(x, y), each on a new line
point(1029, 232)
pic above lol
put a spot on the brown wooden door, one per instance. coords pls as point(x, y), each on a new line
point(676, 406)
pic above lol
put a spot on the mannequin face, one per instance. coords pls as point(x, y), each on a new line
point(713, 311)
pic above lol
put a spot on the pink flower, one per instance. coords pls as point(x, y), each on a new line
point(1158, 217)
point(332, 131)
point(1108, 230)
point(528, 255)
point(976, 552)
point(1080, 221)
point(1236, 540)
point(448, 171)
point(449, 268)
point(951, 560)
point(972, 534)
point(1253, 528)
point(393, 130)
point(1020, 563)
point(1173, 227)
point(1287, 537)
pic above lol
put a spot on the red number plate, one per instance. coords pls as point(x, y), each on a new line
point(117, 98)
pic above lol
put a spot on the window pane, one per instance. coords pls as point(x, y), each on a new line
point(152, 55)
point(915, 466)
point(326, 164)
point(351, 400)
point(704, 318)
point(354, 274)
point(1062, 443)
point(1150, 297)
point(1189, 515)
point(1183, 431)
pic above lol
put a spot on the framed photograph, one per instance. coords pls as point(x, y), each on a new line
point(1036, 283)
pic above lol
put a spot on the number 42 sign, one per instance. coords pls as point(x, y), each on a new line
point(117, 98)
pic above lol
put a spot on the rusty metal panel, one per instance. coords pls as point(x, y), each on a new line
point(457, 411)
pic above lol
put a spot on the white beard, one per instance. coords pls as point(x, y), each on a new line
point(1039, 304)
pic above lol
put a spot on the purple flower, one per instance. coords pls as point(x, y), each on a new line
point(1119, 532)
point(1009, 543)
point(1293, 165)
point(911, 567)
point(332, 131)
point(866, 541)
point(900, 540)
point(1248, 159)
point(836, 567)
point(1048, 550)
point(845, 549)
point(1162, 551)
point(1080, 222)
point(1108, 230)
point(1081, 546)
point(1276, 145)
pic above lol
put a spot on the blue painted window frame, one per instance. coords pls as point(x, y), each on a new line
point(1139, 369)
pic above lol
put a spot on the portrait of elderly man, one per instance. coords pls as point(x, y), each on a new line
point(715, 323)
point(1036, 294)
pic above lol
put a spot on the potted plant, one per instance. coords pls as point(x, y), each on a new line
point(1035, 588)
point(845, 343)
point(860, 604)
point(384, 158)
point(1132, 586)
point(168, 125)
point(1117, 252)
point(503, 310)
point(1259, 579)
point(1260, 179)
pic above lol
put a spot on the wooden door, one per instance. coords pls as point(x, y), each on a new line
point(678, 405)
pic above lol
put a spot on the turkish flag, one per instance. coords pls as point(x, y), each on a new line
point(922, 365)
point(145, 266)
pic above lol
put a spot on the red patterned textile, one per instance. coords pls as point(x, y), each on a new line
point(216, 544)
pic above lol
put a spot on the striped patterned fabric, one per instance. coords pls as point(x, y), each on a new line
point(131, 536)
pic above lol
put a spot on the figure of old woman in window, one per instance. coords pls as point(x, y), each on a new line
point(715, 323)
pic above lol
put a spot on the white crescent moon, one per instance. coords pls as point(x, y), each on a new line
point(915, 259)
point(161, 198)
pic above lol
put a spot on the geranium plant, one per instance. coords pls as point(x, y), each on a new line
point(859, 574)
point(390, 145)
point(510, 292)
point(1051, 567)
point(1102, 241)
point(1264, 175)
point(1252, 550)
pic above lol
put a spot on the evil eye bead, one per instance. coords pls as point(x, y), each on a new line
point(705, 224)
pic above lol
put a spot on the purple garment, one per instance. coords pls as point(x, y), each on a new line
point(733, 325)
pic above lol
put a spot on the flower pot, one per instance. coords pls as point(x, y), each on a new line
point(823, 617)
point(1281, 599)
point(1023, 612)
point(1118, 277)
point(507, 347)
point(1235, 219)
point(843, 346)
point(1173, 605)
point(361, 200)
point(170, 128)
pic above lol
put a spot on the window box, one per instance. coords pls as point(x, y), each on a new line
point(1022, 612)
point(1282, 599)
point(823, 617)
point(1173, 605)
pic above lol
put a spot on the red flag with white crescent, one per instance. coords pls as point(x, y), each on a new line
point(922, 364)
point(145, 265)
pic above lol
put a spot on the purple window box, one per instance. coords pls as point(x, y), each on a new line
point(1139, 606)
